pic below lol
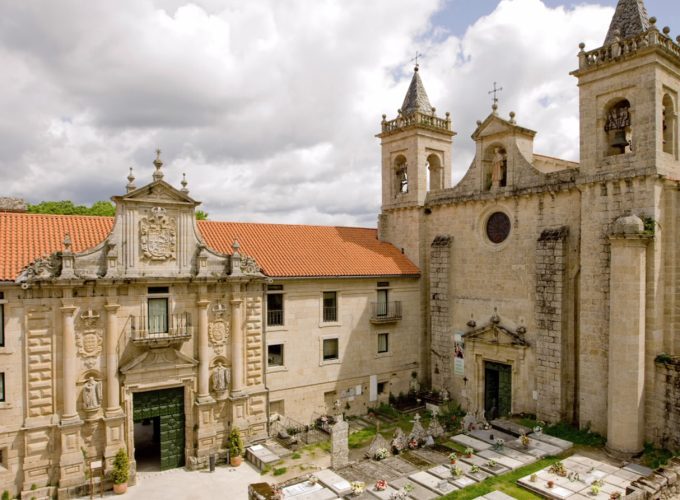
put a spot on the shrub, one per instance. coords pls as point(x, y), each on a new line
point(235, 442)
point(280, 471)
point(6, 495)
point(121, 467)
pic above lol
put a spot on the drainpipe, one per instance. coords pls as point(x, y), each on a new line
point(264, 350)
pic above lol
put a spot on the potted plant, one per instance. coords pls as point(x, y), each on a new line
point(475, 469)
point(524, 439)
point(468, 452)
point(453, 457)
point(381, 485)
point(595, 490)
point(457, 471)
point(120, 472)
point(235, 447)
point(551, 484)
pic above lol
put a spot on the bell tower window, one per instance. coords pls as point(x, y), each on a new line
point(401, 175)
point(618, 128)
point(669, 125)
point(435, 172)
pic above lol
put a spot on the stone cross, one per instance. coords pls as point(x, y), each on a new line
point(418, 56)
point(495, 92)
point(339, 444)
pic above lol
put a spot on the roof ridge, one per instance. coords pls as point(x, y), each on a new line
point(286, 224)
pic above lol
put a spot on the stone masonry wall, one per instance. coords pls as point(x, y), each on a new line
point(666, 403)
point(440, 317)
point(550, 271)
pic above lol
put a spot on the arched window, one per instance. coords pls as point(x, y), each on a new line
point(400, 175)
point(669, 125)
point(496, 171)
point(436, 172)
point(618, 127)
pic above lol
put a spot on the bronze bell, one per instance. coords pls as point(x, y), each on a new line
point(620, 142)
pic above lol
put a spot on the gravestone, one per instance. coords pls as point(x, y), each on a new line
point(339, 443)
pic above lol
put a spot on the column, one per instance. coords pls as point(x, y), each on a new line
point(625, 426)
point(236, 342)
point(68, 359)
point(112, 384)
point(203, 351)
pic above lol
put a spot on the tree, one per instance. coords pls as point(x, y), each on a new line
point(66, 207)
point(201, 215)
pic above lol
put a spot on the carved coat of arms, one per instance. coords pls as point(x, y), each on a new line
point(158, 235)
point(218, 333)
point(89, 338)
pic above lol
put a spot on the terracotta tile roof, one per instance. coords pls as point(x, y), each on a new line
point(281, 250)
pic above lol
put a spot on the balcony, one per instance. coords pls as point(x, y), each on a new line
point(385, 312)
point(275, 317)
point(160, 331)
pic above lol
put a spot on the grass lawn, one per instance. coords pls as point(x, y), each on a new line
point(505, 483)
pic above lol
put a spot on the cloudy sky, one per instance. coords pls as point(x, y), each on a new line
point(271, 106)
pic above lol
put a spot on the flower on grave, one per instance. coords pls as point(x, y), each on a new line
point(408, 488)
point(468, 452)
point(381, 485)
point(538, 429)
point(598, 482)
point(594, 490)
point(524, 439)
point(313, 479)
point(559, 469)
point(381, 454)
point(413, 444)
point(492, 463)
point(358, 487)
point(499, 444)
point(615, 496)
point(457, 471)
point(453, 457)
point(551, 484)
point(475, 469)
point(533, 478)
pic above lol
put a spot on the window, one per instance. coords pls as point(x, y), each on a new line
point(2, 387)
point(382, 303)
point(401, 175)
point(618, 127)
point(668, 125)
point(383, 342)
point(275, 355)
point(330, 306)
point(382, 386)
point(330, 349)
point(158, 315)
point(2, 320)
point(275, 305)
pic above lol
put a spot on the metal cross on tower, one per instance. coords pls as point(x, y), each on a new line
point(495, 92)
point(418, 56)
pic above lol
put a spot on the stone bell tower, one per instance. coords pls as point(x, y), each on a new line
point(416, 158)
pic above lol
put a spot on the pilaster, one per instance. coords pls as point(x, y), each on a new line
point(237, 354)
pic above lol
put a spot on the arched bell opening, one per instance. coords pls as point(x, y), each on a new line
point(435, 172)
point(400, 175)
point(619, 128)
point(669, 125)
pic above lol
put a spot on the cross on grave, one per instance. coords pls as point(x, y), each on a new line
point(495, 92)
point(416, 419)
point(435, 412)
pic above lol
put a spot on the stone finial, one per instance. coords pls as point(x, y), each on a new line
point(677, 39)
point(652, 21)
point(494, 108)
point(235, 246)
point(582, 46)
point(666, 30)
point(184, 183)
point(479, 123)
point(495, 318)
point(472, 323)
point(158, 174)
point(512, 117)
point(131, 182)
point(628, 224)
point(67, 242)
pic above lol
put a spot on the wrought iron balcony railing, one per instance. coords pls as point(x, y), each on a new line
point(160, 330)
point(385, 312)
point(274, 317)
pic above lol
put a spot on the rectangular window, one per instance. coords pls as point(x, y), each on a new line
point(330, 307)
point(330, 349)
point(383, 342)
point(382, 387)
point(381, 307)
point(158, 315)
point(2, 321)
point(2, 387)
point(275, 355)
point(274, 309)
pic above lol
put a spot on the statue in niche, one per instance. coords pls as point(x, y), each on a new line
point(92, 394)
point(498, 168)
point(221, 378)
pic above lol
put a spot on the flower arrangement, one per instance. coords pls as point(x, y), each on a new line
point(538, 428)
point(499, 444)
point(475, 469)
point(457, 471)
point(408, 488)
point(358, 487)
point(615, 496)
point(468, 452)
point(381, 454)
point(550, 484)
point(380, 485)
point(413, 444)
point(491, 463)
point(453, 457)
point(594, 490)
point(559, 469)
point(313, 480)
point(524, 439)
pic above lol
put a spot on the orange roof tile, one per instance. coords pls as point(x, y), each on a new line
point(281, 250)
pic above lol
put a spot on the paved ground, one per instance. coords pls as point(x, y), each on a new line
point(178, 484)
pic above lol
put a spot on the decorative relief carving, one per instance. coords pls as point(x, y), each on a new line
point(89, 338)
point(218, 329)
point(42, 268)
point(158, 235)
point(249, 266)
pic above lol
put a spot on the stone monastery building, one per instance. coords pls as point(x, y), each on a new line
point(535, 285)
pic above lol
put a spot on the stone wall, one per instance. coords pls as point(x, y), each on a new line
point(550, 370)
point(666, 403)
point(440, 317)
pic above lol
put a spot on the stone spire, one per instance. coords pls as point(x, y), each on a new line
point(416, 97)
point(630, 19)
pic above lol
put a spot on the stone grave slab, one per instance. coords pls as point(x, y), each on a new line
point(478, 476)
point(471, 442)
point(510, 427)
point(403, 467)
point(617, 481)
point(431, 456)
point(419, 491)
point(260, 456)
point(498, 495)
point(276, 448)
point(385, 494)
point(560, 443)
point(323, 494)
point(379, 470)
point(336, 483)
point(354, 472)
point(639, 469)
point(506, 461)
point(516, 455)
point(535, 444)
point(490, 436)
point(533, 451)
point(433, 483)
point(441, 472)
point(303, 488)
point(463, 481)
point(626, 474)
point(473, 460)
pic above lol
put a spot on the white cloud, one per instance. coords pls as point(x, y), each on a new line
point(269, 107)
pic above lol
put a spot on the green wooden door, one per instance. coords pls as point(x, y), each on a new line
point(497, 390)
point(167, 404)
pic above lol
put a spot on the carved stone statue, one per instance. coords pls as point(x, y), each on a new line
point(497, 167)
point(92, 394)
point(444, 395)
point(221, 378)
